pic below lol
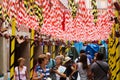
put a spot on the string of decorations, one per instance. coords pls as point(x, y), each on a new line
point(17, 9)
point(34, 9)
point(79, 28)
point(116, 19)
point(39, 40)
point(73, 7)
point(4, 14)
point(94, 10)
point(82, 27)
point(0, 11)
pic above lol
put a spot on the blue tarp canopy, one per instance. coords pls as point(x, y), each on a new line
point(92, 48)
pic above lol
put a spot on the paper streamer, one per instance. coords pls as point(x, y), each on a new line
point(79, 28)
point(94, 10)
point(73, 7)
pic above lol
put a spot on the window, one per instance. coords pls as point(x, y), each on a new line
point(101, 4)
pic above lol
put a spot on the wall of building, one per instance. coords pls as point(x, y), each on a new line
point(37, 51)
point(4, 55)
point(1, 55)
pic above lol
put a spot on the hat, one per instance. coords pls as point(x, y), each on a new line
point(58, 57)
point(67, 59)
point(48, 53)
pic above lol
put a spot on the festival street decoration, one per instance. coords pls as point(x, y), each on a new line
point(94, 11)
point(60, 23)
point(17, 9)
point(73, 7)
point(34, 10)
point(0, 11)
point(82, 27)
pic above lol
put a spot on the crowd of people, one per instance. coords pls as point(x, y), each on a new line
point(65, 68)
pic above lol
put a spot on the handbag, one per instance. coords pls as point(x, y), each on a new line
point(103, 70)
point(76, 76)
point(101, 67)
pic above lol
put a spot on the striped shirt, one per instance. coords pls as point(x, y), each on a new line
point(46, 73)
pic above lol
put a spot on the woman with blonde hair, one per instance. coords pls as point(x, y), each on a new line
point(21, 70)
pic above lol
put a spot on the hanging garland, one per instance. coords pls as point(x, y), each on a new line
point(38, 13)
point(17, 9)
point(0, 11)
point(4, 14)
point(81, 28)
point(73, 7)
point(33, 9)
point(94, 10)
point(26, 4)
point(116, 19)
point(1, 17)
